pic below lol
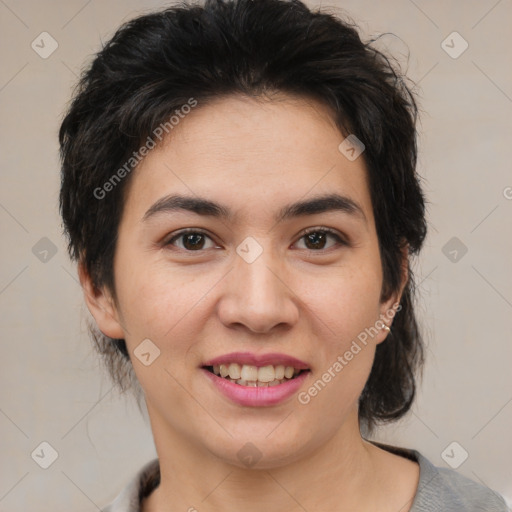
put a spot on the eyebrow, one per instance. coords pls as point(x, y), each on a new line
point(205, 207)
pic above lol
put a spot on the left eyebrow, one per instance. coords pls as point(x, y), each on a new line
point(322, 204)
point(205, 207)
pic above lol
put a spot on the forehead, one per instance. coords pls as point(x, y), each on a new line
point(253, 156)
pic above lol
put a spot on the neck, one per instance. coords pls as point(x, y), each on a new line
point(339, 475)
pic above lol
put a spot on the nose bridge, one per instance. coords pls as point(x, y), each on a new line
point(252, 268)
point(258, 297)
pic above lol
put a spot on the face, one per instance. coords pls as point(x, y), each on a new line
point(270, 258)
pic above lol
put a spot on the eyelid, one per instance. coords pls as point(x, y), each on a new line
point(185, 231)
point(341, 239)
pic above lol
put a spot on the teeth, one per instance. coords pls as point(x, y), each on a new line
point(252, 376)
point(249, 372)
point(266, 374)
point(258, 384)
point(288, 372)
point(235, 371)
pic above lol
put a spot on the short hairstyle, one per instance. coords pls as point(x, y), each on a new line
point(155, 64)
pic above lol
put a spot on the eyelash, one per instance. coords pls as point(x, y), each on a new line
point(340, 241)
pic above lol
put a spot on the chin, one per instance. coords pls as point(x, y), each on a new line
point(259, 450)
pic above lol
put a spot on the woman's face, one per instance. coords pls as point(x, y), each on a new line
point(247, 284)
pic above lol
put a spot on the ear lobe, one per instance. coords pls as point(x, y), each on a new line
point(101, 306)
point(392, 305)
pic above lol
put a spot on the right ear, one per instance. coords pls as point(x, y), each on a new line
point(101, 305)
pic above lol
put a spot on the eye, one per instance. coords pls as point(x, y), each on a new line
point(191, 240)
point(315, 239)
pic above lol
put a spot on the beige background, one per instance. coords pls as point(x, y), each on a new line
point(51, 386)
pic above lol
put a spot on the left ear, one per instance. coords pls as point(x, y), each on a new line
point(389, 308)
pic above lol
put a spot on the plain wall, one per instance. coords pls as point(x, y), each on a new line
point(52, 388)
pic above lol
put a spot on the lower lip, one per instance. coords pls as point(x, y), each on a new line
point(256, 396)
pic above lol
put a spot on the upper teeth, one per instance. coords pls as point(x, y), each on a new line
point(253, 373)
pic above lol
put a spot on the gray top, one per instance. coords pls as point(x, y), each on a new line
point(439, 489)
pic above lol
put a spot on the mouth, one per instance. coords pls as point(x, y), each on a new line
point(256, 376)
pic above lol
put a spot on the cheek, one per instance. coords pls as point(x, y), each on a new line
point(344, 302)
point(159, 302)
point(345, 310)
point(162, 306)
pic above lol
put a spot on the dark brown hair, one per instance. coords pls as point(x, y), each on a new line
point(155, 63)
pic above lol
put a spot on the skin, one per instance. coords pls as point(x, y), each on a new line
point(308, 301)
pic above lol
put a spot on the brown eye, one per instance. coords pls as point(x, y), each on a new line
point(190, 241)
point(317, 239)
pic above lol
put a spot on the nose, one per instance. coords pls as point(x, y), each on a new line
point(258, 297)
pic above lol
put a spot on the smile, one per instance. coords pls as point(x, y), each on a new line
point(254, 376)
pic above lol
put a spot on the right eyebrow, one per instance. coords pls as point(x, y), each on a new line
point(205, 207)
point(197, 205)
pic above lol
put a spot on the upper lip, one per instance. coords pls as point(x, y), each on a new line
point(249, 358)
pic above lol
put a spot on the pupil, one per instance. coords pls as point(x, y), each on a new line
point(193, 241)
point(317, 239)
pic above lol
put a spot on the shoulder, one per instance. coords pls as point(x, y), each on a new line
point(446, 490)
point(141, 484)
